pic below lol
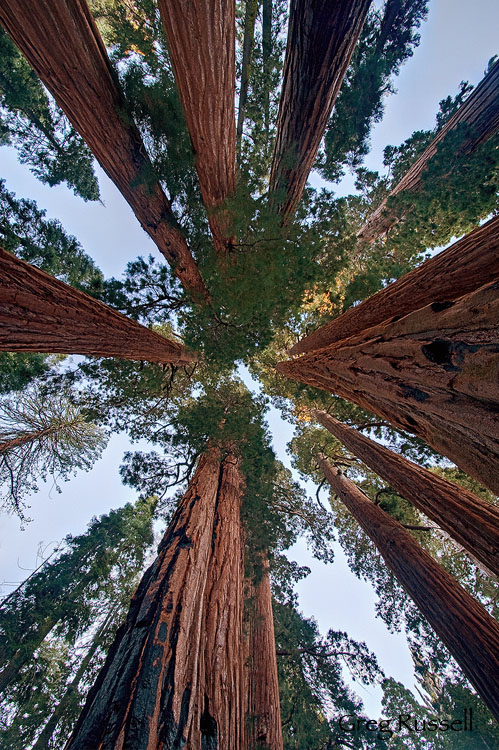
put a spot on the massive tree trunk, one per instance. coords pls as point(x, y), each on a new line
point(480, 111)
point(471, 521)
point(262, 685)
point(39, 313)
point(201, 40)
point(433, 373)
point(463, 625)
point(61, 42)
point(321, 40)
point(461, 268)
point(174, 675)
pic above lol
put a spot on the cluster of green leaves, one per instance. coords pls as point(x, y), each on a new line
point(57, 626)
point(39, 130)
point(388, 39)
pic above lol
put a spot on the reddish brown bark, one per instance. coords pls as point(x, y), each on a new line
point(463, 625)
point(462, 268)
point(202, 34)
point(39, 313)
point(61, 42)
point(173, 677)
point(263, 715)
point(321, 40)
point(434, 373)
point(471, 521)
point(480, 111)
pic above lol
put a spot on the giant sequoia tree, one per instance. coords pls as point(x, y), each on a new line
point(213, 652)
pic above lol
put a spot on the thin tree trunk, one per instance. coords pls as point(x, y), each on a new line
point(39, 313)
point(460, 269)
point(61, 42)
point(321, 40)
point(203, 33)
point(42, 741)
point(248, 43)
point(262, 685)
point(173, 677)
point(471, 521)
point(463, 625)
point(267, 53)
point(24, 654)
point(480, 111)
point(28, 437)
point(434, 373)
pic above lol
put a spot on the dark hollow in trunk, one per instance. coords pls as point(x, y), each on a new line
point(463, 625)
point(433, 373)
point(61, 42)
point(471, 521)
point(321, 40)
point(465, 266)
point(39, 313)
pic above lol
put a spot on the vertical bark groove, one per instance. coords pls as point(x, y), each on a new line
point(434, 373)
point(464, 626)
point(173, 677)
point(480, 111)
point(321, 40)
point(39, 313)
point(471, 521)
point(460, 269)
point(62, 43)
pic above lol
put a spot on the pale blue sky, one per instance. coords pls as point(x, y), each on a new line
point(457, 41)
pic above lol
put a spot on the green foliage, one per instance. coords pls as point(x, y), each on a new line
point(42, 436)
point(17, 369)
point(25, 232)
point(388, 39)
point(32, 123)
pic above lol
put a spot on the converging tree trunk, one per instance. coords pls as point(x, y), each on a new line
point(62, 43)
point(471, 521)
point(461, 268)
point(480, 112)
point(203, 33)
point(174, 675)
point(433, 373)
point(39, 313)
point(248, 43)
point(321, 40)
point(463, 625)
point(263, 715)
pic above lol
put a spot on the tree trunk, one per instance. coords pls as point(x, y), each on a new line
point(472, 522)
point(460, 269)
point(267, 63)
point(433, 373)
point(262, 685)
point(248, 43)
point(480, 111)
point(61, 42)
point(25, 653)
point(463, 625)
point(28, 437)
point(203, 33)
point(321, 40)
point(173, 677)
point(39, 313)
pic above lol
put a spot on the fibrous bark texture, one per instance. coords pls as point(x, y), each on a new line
point(466, 265)
point(262, 686)
point(480, 111)
point(471, 521)
point(463, 625)
point(201, 40)
point(433, 373)
point(61, 42)
point(39, 313)
point(174, 676)
point(321, 40)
